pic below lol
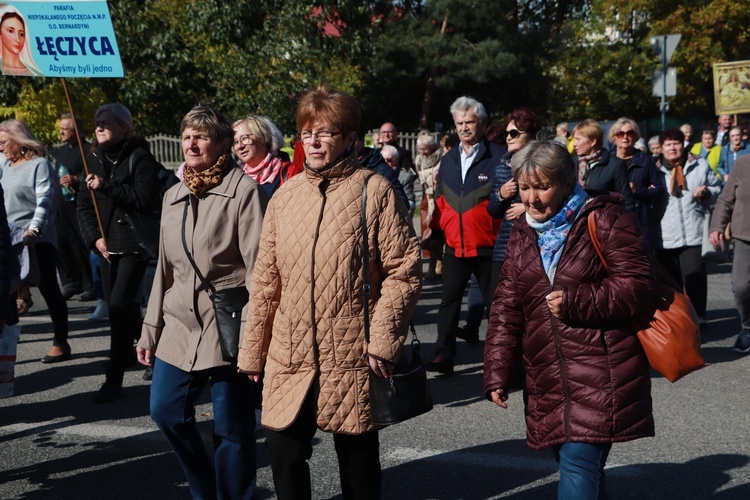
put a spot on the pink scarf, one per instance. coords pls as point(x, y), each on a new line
point(266, 171)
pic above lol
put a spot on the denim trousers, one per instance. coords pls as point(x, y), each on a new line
point(581, 470)
point(173, 396)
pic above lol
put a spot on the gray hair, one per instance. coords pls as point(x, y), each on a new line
point(120, 112)
point(428, 141)
point(549, 158)
point(20, 133)
point(393, 150)
point(466, 103)
point(653, 140)
point(78, 120)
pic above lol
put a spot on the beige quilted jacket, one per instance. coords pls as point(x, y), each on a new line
point(305, 320)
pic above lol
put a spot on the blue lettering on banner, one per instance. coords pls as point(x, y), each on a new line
point(74, 46)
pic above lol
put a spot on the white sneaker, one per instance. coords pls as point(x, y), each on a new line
point(100, 313)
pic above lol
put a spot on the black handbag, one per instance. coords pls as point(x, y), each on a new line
point(227, 304)
point(404, 394)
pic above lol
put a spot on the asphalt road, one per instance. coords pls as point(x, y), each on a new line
point(55, 443)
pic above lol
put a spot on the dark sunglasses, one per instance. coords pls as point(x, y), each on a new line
point(629, 133)
point(512, 133)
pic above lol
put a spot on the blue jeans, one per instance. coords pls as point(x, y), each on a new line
point(474, 305)
point(173, 396)
point(581, 470)
point(96, 275)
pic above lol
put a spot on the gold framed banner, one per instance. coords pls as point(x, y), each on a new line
point(732, 87)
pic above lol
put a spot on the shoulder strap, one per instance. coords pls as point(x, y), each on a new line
point(594, 239)
point(206, 285)
point(365, 261)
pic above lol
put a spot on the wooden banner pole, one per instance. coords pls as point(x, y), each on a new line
point(83, 157)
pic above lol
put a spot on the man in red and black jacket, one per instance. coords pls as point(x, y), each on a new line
point(463, 189)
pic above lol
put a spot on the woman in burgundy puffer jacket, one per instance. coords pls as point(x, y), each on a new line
point(565, 317)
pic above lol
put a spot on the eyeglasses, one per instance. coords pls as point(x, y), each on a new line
point(629, 133)
point(513, 133)
point(306, 135)
point(244, 140)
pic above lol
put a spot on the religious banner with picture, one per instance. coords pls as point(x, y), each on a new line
point(73, 38)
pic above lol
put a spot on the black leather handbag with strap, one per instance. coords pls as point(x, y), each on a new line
point(228, 305)
point(404, 394)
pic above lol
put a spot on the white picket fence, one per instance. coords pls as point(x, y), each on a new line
point(168, 148)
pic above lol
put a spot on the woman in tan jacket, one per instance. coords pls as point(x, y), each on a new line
point(305, 326)
point(216, 214)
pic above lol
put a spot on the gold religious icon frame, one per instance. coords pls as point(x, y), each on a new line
point(732, 87)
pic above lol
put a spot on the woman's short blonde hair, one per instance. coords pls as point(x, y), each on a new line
point(327, 105)
point(263, 129)
point(621, 122)
point(20, 133)
point(549, 158)
point(591, 130)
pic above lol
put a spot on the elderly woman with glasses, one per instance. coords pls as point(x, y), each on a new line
point(646, 182)
point(306, 324)
point(598, 169)
point(213, 217)
point(257, 142)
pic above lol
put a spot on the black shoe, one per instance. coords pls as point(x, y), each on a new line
point(57, 354)
point(148, 374)
point(86, 296)
point(742, 344)
point(472, 337)
point(108, 392)
point(440, 365)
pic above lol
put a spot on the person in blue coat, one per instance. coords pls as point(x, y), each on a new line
point(730, 152)
point(646, 181)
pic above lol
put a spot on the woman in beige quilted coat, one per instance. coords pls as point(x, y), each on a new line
point(305, 322)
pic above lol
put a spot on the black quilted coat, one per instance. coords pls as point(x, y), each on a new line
point(586, 376)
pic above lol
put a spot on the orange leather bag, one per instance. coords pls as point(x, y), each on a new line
point(671, 335)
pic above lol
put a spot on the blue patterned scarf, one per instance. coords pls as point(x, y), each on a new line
point(554, 232)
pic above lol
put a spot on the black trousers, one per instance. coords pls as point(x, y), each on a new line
point(290, 449)
point(50, 290)
point(456, 274)
point(688, 268)
point(72, 259)
point(121, 279)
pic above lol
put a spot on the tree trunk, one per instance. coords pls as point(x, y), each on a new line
point(429, 90)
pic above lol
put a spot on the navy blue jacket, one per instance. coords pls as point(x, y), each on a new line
point(643, 174)
point(497, 207)
point(611, 174)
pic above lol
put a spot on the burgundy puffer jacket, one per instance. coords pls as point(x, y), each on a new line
point(586, 375)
